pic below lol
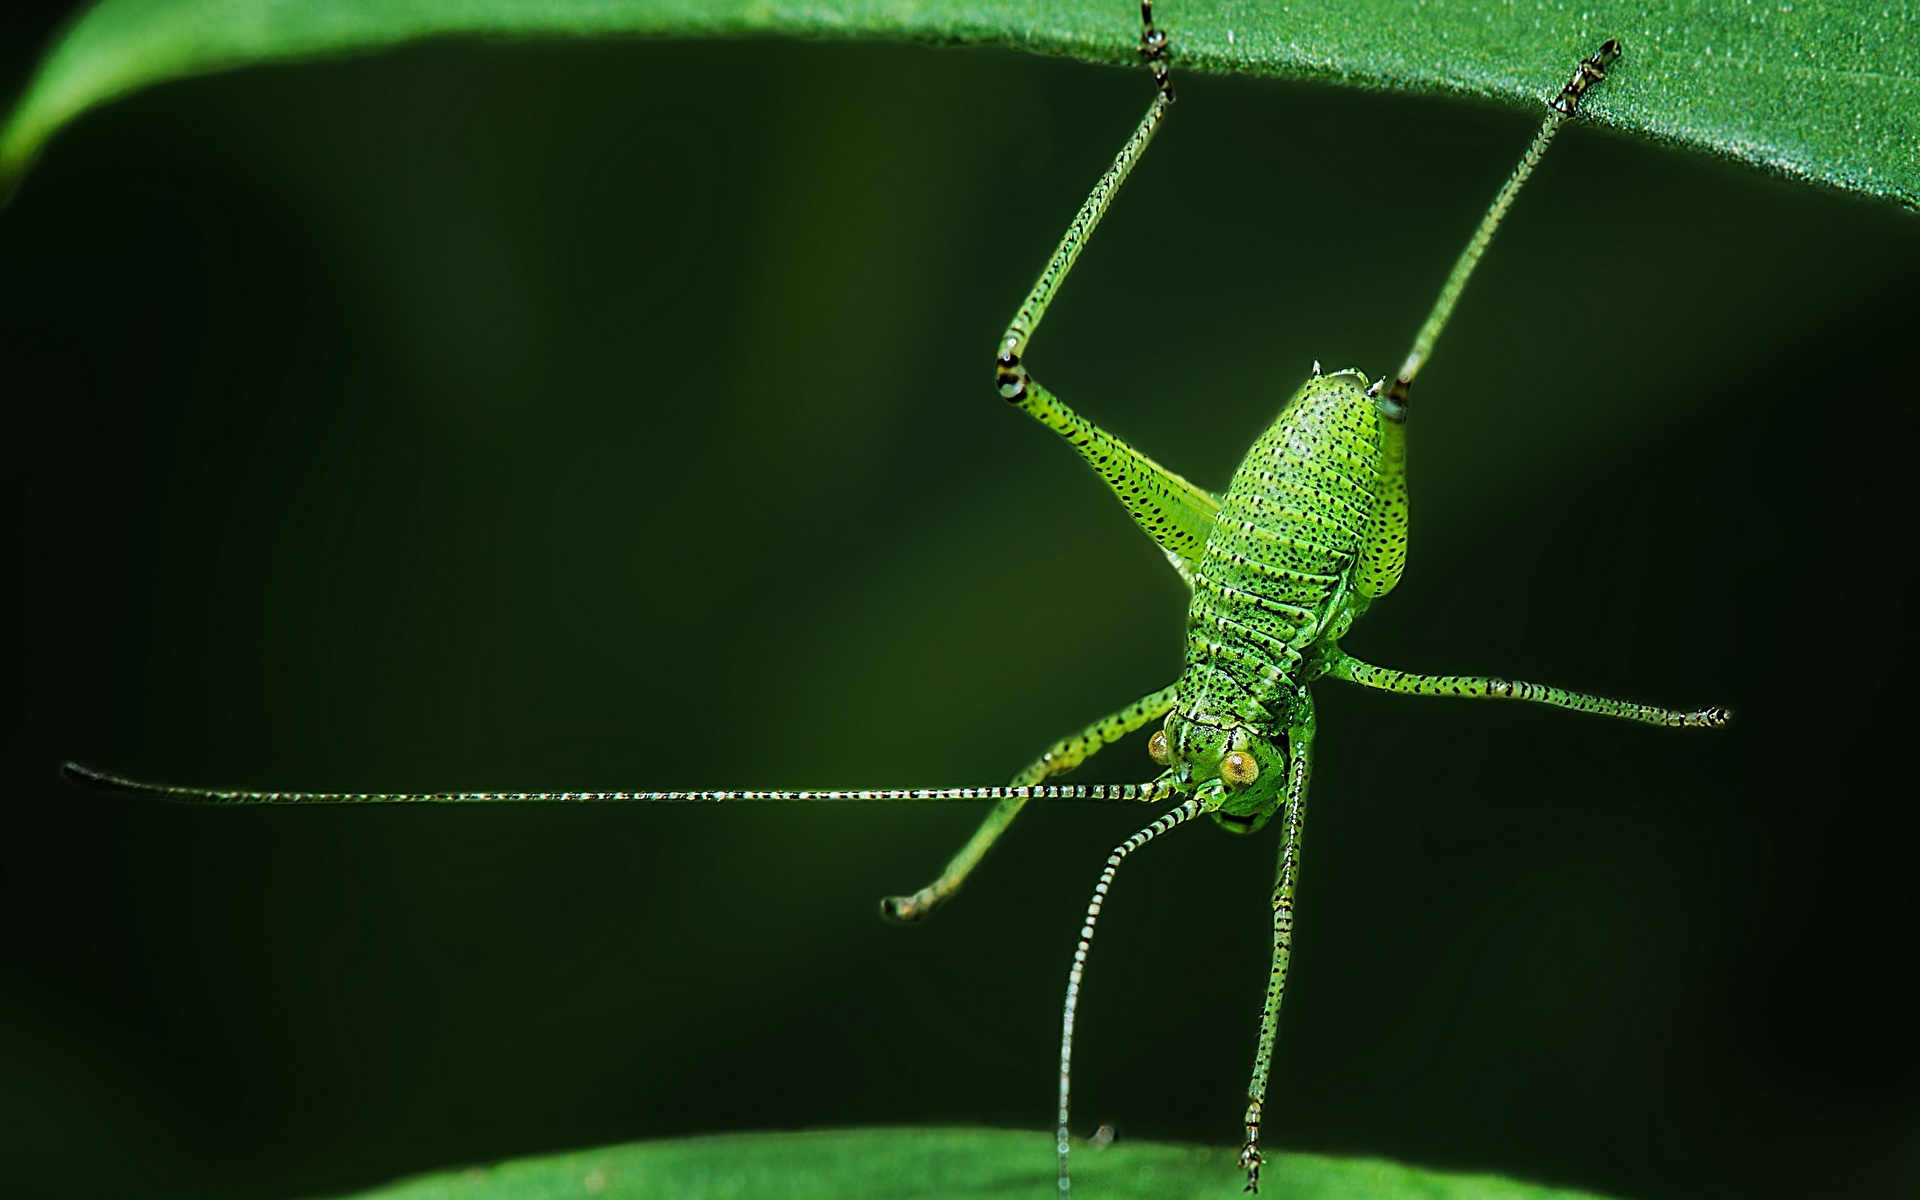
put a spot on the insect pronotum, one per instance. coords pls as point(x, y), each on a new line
point(1311, 530)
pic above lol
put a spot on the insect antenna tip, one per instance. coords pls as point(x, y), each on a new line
point(73, 772)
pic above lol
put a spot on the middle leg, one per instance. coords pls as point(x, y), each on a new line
point(1344, 666)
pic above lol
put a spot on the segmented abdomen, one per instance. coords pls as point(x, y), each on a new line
point(1281, 555)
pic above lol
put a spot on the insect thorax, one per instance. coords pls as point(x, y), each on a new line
point(1278, 576)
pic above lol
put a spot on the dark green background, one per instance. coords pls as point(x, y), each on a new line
point(620, 415)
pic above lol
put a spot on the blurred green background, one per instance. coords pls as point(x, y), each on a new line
point(619, 415)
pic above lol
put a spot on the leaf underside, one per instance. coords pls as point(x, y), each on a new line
point(953, 1164)
point(1822, 90)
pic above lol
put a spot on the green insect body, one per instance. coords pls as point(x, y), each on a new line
point(1311, 530)
point(1294, 555)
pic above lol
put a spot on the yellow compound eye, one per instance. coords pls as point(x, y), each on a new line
point(1239, 769)
point(1158, 748)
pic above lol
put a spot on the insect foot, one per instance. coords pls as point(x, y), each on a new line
point(1250, 1158)
point(1590, 72)
point(1153, 49)
point(903, 908)
point(1706, 718)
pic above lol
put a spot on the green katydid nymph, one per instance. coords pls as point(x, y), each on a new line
point(1311, 531)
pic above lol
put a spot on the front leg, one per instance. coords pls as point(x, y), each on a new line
point(1064, 755)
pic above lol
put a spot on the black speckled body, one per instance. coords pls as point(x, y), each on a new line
point(1283, 570)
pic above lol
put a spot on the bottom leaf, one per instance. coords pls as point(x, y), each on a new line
point(954, 1164)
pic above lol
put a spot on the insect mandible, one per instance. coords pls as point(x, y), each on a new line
point(1311, 530)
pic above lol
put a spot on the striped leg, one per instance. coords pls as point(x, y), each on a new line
point(1285, 880)
point(1065, 755)
point(1063, 1143)
point(1386, 679)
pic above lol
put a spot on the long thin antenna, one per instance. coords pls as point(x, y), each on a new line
point(108, 781)
point(1064, 1142)
point(1590, 72)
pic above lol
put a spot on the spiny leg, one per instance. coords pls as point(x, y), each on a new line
point(1064, 1140)
point(1383, 552)
point(1153, 49)
point(1590, 72)
point(1342, 665)
point(1174, 512)
point(1064, 755)
point(1285, 879)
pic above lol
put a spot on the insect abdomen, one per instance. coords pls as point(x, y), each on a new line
point(1279, 563)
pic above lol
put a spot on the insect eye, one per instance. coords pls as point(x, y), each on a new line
point(1239, 769)
point(1158, 748)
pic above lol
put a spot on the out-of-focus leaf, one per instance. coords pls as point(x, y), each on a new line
point(951, 1164)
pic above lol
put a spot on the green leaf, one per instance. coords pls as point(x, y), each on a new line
point(953, 1164)
point(1824, 91)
